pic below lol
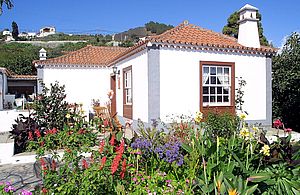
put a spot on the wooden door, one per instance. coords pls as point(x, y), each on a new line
point(114, 100)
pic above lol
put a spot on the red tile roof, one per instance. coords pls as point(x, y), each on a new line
point(189, 34)
point(194, 35)
point(23, 77)
point(89, 55)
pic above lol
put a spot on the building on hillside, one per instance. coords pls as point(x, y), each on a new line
point(183, 70)
point(27, 35)
point(46, 31)
point(14, 87)
point(6, 32)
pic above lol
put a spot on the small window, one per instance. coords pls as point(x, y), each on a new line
point(127, 87)
point(216, 85)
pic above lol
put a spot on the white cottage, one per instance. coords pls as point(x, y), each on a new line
point(181, 71)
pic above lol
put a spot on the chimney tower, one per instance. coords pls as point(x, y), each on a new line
point(248, 27)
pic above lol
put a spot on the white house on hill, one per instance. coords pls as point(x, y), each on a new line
point(45, 31)
point(181, 71)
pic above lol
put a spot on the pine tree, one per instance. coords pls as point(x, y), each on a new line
point(15, 30)
point(232, 28)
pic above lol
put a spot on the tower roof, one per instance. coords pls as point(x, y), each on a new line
point(248, 7)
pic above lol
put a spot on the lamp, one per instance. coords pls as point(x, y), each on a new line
point(115, 70)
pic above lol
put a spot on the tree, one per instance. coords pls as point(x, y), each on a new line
point(8, 4)
point(232, 28)
point(157, 28)
point(286, 83)
point(15, 30)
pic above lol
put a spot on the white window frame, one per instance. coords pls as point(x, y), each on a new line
point(128, 87)
point(213, 86)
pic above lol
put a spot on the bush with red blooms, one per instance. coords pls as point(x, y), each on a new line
point(87, 170)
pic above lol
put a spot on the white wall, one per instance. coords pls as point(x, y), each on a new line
point(179, 76)
point(139, 65)
point(82, 84)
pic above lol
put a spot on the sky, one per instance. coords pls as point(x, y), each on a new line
point(279, 18)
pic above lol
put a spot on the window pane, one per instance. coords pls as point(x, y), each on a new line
point(226, 99)
point(205, 98)
point(219, 71)
point(219, 90)
point(207, 81)
point(212, 90)
point(226, 80)
point(219, 80)
point(212, 70)
point(226, 90)
point(205, 90)
point(219, 98)
point(205, 70)
point(212, 99)
point(226, 71)
point(213, 80)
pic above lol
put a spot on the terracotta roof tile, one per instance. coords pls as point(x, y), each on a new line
point(89, 55)
point(189, 34)
point(23, 77)
point(195, 35)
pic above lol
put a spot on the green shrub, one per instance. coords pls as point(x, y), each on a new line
point(221, 125)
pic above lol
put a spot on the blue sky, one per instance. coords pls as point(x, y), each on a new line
point(280, 18)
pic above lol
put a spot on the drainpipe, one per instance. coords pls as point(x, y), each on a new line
point(2, 91)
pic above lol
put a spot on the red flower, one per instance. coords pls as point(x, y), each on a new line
point(277, 123)
point(30, 136)
point(70, 132)
point(101, 146)
point(44, 191)
point(81, 131)
point(288, 130)
point(42, 143)
point(68, 150)
point(37, 133)
point(115, 163)
point(84, 164)
point(44, 166)
point(54, 131)
point(112, 140)
point(105, 123)
point(103, 161)
point(53, 165)
point(120, 149)
point(122, 174)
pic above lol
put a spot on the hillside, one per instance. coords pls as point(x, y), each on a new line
point(150, 28)
point(18, 56)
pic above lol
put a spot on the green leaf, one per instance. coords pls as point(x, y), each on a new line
point(187, 148)
point(258, 177)
point(251, 190)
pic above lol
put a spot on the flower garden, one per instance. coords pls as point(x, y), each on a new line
point(213, 154)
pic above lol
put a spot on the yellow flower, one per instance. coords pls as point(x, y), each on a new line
point(232, 192)
point(219, 183)
point(255, 128)
point(68, 115)
point(199, 117)
point(242, 116)
point(265, 150)
point(244, 132)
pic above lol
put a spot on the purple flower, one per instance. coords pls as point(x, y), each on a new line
point(25, 192)
point(9, 188)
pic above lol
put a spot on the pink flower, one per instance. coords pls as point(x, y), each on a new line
point(277, 123)
point(84, 164)
point(30, 136)
point(134, 179)
point(112, 140)
point(37, 133)
point(288, 130)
